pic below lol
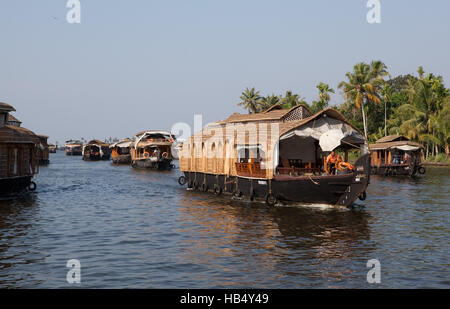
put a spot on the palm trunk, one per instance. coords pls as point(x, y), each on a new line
point(385, 117)
point(364, 120)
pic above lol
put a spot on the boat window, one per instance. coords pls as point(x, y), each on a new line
point(250, 153)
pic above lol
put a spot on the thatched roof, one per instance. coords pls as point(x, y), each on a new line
point(283, 126)
point(13, 134)
point(162, 132)
point(392, 138)
point(97, 142)
point(11, 118)
point(274, 113)
point(387, 145)
point(6, 107)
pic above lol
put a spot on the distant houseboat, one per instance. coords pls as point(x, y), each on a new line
point(43, 150)
point(19, 160)
point(52, 148)
point(96, 150)
point(278, 155)
point(74, 148)
point(396, 155)
point(152, 149)
point(120, 152)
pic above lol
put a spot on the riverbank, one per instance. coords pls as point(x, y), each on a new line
point(437, 164)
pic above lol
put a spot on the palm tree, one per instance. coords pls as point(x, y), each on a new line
point(363, 86)
point(250, 100)
point(270, 100)
point(324, 97)
point(290, 100)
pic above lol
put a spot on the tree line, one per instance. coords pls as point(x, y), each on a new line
point(417, 107)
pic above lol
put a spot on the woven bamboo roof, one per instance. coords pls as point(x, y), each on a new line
point(283, 126)
point(97, 142)
point(6, 107)
point(392, 138)
point(274, 113)
point(13, 134)
point(387, 145)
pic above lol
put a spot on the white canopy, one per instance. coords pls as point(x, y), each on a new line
point(330, 133)
point(330, 140)
point(407, 148)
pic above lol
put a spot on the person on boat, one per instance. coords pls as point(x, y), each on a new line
point(332, 161)
point(406, 158)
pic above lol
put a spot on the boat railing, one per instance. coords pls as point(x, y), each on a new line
point(297, 171)
point(250, 169)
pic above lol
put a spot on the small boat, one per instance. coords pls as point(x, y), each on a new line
point(396, 155)
point(51, 148)
point(43, 152)
point(152, 149)
point(278, 155)
point(96, 150)
point(19, 156)
point(120, 152)
point(74, 148)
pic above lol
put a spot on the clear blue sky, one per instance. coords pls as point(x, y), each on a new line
point(134, 65)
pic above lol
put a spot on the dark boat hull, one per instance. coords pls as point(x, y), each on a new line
point(74, 153)
point(96, 157)
point(399, 170)
point(163, 164)
point(122, 159)
point(14, 185)
point(340, 190)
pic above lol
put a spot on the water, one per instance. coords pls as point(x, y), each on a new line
point(140, 229)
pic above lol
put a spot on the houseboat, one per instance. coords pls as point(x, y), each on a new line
point(396, 155)
point(74, 148)
point(278, 155)
point(120, 152)
point(52, 148)
point(96, 150)
point(152, 149)
point(43, 150)
point(19, 160)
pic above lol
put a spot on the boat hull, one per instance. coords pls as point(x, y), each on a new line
point(121, 159)
point(340, 190)
point(398, 170)
point(163, 164)
point(74, 153)
point(92, 157)
point(14, 185)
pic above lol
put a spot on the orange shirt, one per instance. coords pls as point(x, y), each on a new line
point(332, 159)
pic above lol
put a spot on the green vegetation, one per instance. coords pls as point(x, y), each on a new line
point(417, 107)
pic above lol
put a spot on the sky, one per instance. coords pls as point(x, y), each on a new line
point(136, 65)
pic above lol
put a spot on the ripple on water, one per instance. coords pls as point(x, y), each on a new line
point(134, 228)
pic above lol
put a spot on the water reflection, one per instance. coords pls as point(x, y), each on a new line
point(280, 241)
